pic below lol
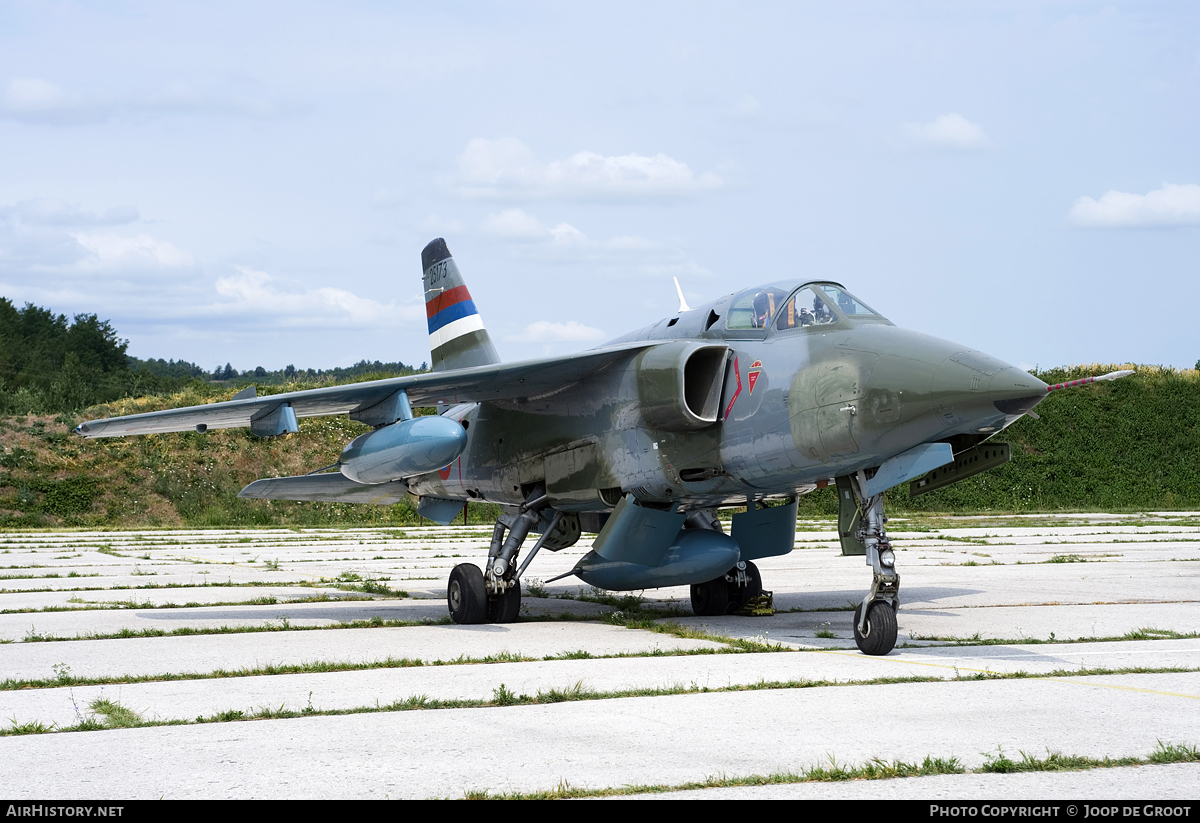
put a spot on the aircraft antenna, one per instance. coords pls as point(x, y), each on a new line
point(683, 306)
point(1112, 375)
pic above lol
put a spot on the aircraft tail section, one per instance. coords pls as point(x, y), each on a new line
point(457, 337)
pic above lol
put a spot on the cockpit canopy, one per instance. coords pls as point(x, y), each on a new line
point(814, 304)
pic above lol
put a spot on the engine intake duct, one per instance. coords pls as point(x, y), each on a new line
point(679, 384)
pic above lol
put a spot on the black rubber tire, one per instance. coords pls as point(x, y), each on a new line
point(880, 635)
point(466, 596)
point(712, 598)
point(742, 594)
point(506, 607)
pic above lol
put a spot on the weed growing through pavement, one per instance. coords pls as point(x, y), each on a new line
point(115, 716)
point(874, 769)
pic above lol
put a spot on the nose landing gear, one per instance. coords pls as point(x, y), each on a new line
point(875, 618)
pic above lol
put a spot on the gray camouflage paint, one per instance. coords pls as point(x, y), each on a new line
point(797, 408)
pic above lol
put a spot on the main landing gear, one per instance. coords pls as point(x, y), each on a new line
point(875, 617)
point(493, 595)
point(729, 593)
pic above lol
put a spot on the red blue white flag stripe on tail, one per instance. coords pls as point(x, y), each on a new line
point(451, 314)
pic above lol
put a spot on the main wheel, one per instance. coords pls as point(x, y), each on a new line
point(879, 635)
point(743, 594)
point(504, 608)
point(712, 598)
point(466, 595)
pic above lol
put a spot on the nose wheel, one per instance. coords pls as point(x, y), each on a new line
point(878, 633)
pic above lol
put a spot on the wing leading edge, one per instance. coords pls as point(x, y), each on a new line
point(480, 384)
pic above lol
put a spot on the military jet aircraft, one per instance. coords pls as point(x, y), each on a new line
point(747, 401)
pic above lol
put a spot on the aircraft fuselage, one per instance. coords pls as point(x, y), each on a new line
point(795, 407)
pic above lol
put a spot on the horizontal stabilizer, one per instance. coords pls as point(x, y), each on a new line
point(328, 488)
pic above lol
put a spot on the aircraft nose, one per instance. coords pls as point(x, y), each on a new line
point(976, 391)
point(1014, 391)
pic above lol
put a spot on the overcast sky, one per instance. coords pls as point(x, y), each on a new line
point(254, 182)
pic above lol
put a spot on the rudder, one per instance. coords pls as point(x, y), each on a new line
point(457, 337)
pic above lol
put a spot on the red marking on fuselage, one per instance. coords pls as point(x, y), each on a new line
point(737, 391)
point(752, 374)
point(445, 473)
point(446, 299)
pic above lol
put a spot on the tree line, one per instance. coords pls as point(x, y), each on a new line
point(52, 364)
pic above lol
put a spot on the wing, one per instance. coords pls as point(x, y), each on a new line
point(503, 381)
point(332, 488)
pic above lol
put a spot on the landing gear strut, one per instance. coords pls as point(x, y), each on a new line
point(875, 617)
point(494, 595)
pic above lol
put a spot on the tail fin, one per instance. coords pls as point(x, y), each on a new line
point(457, 338)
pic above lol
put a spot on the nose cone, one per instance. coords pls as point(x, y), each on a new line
point(1015, 392)
point(973, 391)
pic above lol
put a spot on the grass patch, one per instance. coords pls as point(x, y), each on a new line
point(115, 716)
point(832, 771)
point(503, 696)
point(1175, 753)
point(976, 640)
point(284, 624)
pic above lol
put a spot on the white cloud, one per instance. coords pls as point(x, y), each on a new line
point(950, 131)
point(46, 237)
point(621, 256)
point(108, 251)
point(442, 226)
point(1171, 205)
point(507, 168)
point(281, 302)
point(515, 224)
point(64, 256)
point(544, 331)
point(564, 241)
point(29, 98)
point(50, 212)
point(34, 100)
